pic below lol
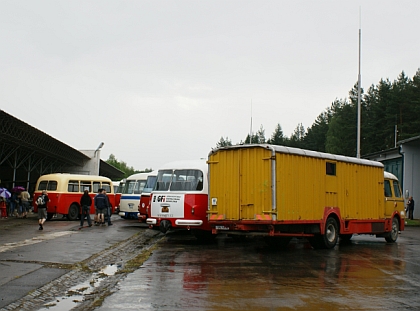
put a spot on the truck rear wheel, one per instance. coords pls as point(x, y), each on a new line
point(392, 236)
point(330, 237)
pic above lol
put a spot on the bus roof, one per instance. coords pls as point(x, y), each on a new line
point(186, 165)
point(73, 176)
point(140, 176)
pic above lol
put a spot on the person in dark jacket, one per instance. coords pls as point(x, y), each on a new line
point(42, 210)
point(410, 207)
point(85, 203)
point(108, 210)
point(101, 205)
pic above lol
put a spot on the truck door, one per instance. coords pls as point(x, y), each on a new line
point(393, 197)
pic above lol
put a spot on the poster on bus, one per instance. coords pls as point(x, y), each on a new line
point(168, 206)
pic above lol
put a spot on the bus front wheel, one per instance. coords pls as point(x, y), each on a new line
point(73, 212)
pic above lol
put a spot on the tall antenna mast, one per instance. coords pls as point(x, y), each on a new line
point(359, 112)
point(250, 132)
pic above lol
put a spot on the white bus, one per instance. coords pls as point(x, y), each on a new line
point(130, 195)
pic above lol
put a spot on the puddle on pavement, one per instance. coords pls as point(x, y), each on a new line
point(75, 294)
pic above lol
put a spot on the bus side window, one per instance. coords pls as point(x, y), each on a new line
point(96, 186)
point(106, 186)
point(43, 185)
point(52, 185)
point(86, 185)
point(387, 188)
point(397, 191)
point(73, 186)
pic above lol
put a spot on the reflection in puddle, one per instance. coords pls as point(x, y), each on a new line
point(76, 293)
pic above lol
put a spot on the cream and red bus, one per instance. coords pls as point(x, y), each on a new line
point(65, 191)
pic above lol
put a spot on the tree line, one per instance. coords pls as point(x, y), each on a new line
point(122, 166)
point(385, 107)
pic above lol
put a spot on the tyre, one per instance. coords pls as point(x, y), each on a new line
point(50, 216)
point(73, 212)
point(392, 236)
point(164, 226)
point(330, 236)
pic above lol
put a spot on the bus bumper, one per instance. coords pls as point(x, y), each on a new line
point(188, 222)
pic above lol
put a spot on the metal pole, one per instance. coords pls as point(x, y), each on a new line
point(358, 92)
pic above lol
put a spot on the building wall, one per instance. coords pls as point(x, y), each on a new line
point(411, 178)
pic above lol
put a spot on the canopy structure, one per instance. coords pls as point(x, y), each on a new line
point(27, 153)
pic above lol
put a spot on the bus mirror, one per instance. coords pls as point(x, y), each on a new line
point(407, 194)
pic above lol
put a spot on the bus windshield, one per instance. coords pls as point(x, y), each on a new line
point(134, 187)
point(150, 183)
point(179, 180)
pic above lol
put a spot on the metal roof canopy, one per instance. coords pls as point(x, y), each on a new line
point(25, 148)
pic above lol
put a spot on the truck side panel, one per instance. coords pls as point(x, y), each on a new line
point(240, 179)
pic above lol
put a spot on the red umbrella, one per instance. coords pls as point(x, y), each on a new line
point(18, 188)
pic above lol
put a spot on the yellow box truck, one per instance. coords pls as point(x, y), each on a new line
point(282, 192)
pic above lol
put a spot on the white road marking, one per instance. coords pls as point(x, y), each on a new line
point(34, 240)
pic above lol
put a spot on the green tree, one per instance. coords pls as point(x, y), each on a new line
point(223, 142)
point(122, 166)
point(257, 138)
point(316, 135)
point(297, 137)
point(277, 138)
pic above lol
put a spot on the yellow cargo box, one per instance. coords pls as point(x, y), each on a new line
point(283, 191)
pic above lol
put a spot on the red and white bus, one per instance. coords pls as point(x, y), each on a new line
point(144, 206)
point(65, 191)
point(180, 198)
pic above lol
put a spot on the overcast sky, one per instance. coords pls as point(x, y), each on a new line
point(159, 81)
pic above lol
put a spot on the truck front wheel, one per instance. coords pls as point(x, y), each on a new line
point(392, 236)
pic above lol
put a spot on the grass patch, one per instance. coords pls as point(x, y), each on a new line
point(137, 261)
point(412, 223)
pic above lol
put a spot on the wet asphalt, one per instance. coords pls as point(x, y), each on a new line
point(38, 268)
point(63, 268)
point(231, 274)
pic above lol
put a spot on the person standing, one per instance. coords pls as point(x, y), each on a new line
point(25, 197)
point(13, 203)
point(85, 203)
point(101, 205)
point(410, 207)
point(108, 209)
point(42, 208)
point(95, 218)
